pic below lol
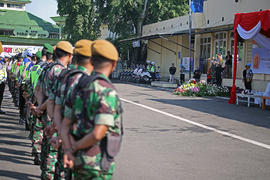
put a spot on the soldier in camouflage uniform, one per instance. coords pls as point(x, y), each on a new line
point(44, 58)
point(63, 52)
point(92, 116)
point(82, 54)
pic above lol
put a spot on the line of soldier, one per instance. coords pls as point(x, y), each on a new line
point(71, 108)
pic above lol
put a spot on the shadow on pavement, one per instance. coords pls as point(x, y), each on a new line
point(14, 143)
point(16, 175)
point(12, 136)
point(11, 127)
point(14, 152)
point(16, 159)
point(254, 116)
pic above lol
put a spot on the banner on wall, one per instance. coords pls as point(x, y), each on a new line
point(186, 63)
point(260, 60)
point(197, 6)
point(15, 49)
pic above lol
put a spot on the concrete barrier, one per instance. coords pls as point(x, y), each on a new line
point(163, 84)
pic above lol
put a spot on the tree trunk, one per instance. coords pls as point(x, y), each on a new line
point(141, 19)
point(138, 52)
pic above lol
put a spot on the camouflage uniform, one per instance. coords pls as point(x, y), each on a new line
point(50, 84)
point(36, 122)
point(39, 127)
point(101, 106)
point(67, 82)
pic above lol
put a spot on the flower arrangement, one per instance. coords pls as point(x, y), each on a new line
point(193, 88)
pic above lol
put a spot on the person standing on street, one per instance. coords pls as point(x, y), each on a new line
point(228, 65)
point(93, 117)
point(172, 71)
point(81, 64)
point(219, 71)
point(213, 72)
point(248, 77)
point(64, 53)
point(3, 78)
point(182, 75)
point(153, 71)
point(197, 75)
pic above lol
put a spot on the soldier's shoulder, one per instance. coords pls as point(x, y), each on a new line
point(104, 84)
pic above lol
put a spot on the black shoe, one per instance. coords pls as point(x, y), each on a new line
point(37, 159)
point(2, 112)
point(21, 121)
point(26, 128)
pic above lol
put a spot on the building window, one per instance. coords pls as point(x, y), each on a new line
point(205, 53)
point(1, 4)
point(6, 32)
point(220, 43)
point(240, 49)
point(16, 6)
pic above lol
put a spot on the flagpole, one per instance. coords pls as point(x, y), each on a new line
point(190, 26)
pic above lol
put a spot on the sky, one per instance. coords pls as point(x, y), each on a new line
point(43, 9)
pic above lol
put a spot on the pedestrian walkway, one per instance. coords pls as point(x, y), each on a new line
point(16, 161)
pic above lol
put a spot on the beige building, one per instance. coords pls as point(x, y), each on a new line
point(212, 33)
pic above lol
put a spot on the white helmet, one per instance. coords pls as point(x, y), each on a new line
point(148, 62)
point(153, 63)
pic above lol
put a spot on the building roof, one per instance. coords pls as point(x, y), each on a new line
point(155, 36)
point(59, 19)
point(17, 1)
point(11, 19)
point(27, 41)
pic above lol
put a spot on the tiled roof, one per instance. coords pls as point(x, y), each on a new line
point(11, 19)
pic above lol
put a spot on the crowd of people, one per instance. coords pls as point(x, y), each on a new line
point(70, 107)
point(216, 71)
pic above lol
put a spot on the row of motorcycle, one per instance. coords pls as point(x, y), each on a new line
point(139, 75)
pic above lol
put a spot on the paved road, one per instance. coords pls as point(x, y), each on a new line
point(16, 161)
point(158, 146)
point(170, 137)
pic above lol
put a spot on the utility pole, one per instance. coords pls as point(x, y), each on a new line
point(190, 26)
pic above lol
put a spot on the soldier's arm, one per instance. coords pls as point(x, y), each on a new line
point(57, 116)
point(39, 95)
point(43, 107)
point(68, 154)
point(65, 127)
point(50, 107)
point(91, 139)
point(103, 120)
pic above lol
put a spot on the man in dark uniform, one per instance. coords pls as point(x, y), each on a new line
point(3, 77)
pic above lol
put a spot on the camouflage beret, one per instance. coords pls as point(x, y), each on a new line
point(105, 49)
point(83, 47)
point(49, 48)
point(39, 54)
point(65, 46)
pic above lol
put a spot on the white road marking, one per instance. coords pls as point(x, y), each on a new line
point(201, 125)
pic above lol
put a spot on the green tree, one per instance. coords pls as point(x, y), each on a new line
point(82, 20)
point(127, 17)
